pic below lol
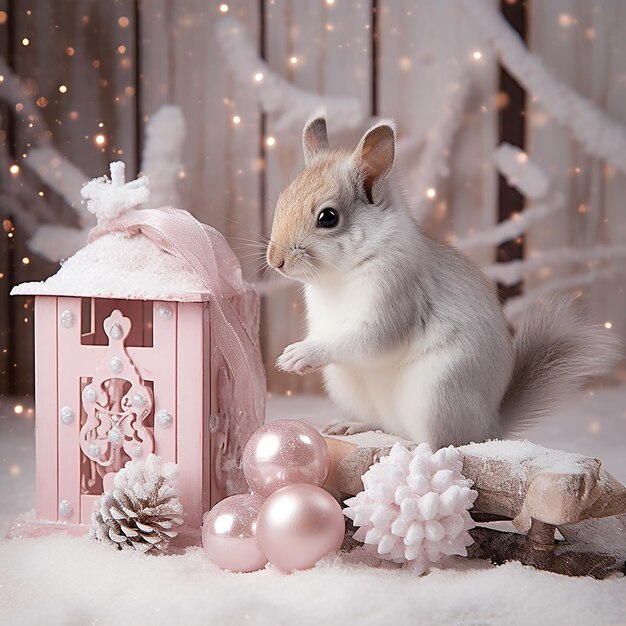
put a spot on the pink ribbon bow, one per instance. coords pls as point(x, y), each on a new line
point(210, 258)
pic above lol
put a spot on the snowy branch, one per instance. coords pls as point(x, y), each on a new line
point(515, 307)
point(62, 176)
point(13, 93)
point(514, 271)
point(292, 104)
point(434, 159)
point(162, 156)
point(511, 228)
point(521, 172)
point(591, 126)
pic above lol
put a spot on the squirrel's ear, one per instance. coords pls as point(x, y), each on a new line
point(374, 157)
point(314, 137)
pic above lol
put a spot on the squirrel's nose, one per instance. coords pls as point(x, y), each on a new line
point(274, 258)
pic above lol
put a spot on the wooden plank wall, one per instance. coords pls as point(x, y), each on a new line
point(592, 34)
point(5, 241)
point(129, 57)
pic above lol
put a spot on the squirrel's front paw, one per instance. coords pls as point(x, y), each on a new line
point(302, 357)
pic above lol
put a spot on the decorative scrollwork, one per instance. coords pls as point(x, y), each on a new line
point(116, 402)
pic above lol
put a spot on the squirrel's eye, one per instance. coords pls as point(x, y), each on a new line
point(327, 218)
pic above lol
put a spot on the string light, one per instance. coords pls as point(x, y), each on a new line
point(258, 77)
point(62, 88)
point(15, 470)
point(270, 141)
point(608, 325)
point(293, 60)
point(123, 22)
point(18, 409)
point(14, 169)
point(477, 55)
point(3, 17)
point(25, 260)
point(25, 41)
point(431, 193)
point(100, 140)
point(69, 51)
point(223, 8)
point(330, 2)
point(236, 119)
point(565, 20)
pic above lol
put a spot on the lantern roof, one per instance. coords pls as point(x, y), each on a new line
point(120, 265)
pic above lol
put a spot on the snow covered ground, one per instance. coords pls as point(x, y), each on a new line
point(67, 580)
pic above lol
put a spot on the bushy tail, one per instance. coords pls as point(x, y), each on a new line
point(556, 351)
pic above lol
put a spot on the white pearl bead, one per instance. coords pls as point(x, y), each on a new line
point(116, 365)
point(164, 418)
point(115, 436)
point(139, 400)
point(65, 508)
point(89, 395)
point(67, 319)
point(66, 415)
point(94, 449)
point(165, 311)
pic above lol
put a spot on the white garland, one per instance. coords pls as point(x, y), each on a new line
point(513, 272)
point(292, 105)
point(162, 158)
point(601, 136)
point(434, 159)
point(515, 307)
point(512, 228)
point(521, 172)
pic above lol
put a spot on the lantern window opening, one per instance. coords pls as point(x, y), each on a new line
point(95, 310)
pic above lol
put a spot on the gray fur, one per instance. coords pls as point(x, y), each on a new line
point(556, 351)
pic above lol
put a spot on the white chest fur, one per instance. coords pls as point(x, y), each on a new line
point(367, 388)
point(339, 310)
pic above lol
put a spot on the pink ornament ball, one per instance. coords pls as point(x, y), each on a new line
point(298, 525)
point(285, 452)
point(229, 534)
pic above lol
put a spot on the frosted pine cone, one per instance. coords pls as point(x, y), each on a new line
point(415, 506)
point(143, 509)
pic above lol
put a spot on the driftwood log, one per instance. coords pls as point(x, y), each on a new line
point(536, 489)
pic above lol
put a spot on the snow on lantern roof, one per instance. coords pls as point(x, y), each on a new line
point(117, 264)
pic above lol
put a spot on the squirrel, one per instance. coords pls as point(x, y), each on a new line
point(411, 336)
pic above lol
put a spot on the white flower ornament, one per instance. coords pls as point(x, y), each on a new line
point(110, 198)
point(414, 507)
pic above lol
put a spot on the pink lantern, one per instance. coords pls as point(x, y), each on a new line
point(146, 340)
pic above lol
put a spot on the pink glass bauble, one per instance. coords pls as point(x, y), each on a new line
point(229, 534)
point(285, 452)
point(298, 525)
